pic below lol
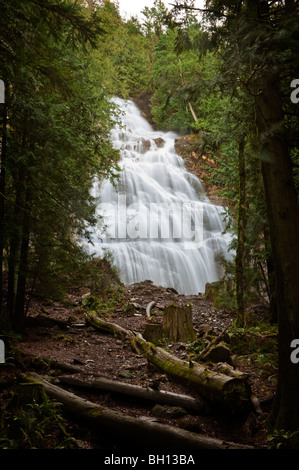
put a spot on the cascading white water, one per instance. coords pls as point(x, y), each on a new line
point(157, 223)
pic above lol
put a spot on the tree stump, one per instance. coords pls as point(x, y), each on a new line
point(153, 332)
point(27, 393)
point(177, 323)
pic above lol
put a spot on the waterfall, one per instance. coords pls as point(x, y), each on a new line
point(157, 222)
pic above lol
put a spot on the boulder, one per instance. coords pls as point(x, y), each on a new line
point(159, 142)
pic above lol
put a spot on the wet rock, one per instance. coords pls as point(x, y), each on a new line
point(159, 142)
point(146, 145)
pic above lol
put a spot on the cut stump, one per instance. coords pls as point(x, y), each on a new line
point(177, 323)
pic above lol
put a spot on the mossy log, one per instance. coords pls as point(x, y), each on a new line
point(127, 429)
point(229, 392)
point(177, 323)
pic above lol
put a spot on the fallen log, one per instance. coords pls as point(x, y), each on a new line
point(229, 392)
point(149, 307)
point(46, 322)
point(124, 428)
point(157, 396)
point(44, 362)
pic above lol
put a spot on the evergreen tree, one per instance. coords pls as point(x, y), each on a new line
point(259, 39)
point(52, 143)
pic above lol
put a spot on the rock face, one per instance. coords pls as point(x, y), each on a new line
point(143, 101)
point(189, 147)
point(146, 145)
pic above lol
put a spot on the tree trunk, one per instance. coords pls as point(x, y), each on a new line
point(177, 323)
point(271, 277)
point(123, 428)
point(283, 214)
point(19, 313)
point(147, 394)
point(230, 393)
point(242, 221)
point(15, 242)
point(4, 319)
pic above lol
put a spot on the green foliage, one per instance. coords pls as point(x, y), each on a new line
point(174, 75)
point(122, 60)
point(282, 439)
point(261, 338)
point(57, 140)
point(36, 426)
point(103, 306)
point(196, 347)
point(155, 19)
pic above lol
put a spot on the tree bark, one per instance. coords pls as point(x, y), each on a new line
point(230, 393)
point(242, 222)
point(123, 428)
point(283, 214)
point(19, 313)
point(177, 323)
point(4, 319)
point(147, 394)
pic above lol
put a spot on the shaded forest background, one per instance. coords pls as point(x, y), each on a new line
point(222, 76)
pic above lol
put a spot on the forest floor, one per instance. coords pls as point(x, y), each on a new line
point(101, 355)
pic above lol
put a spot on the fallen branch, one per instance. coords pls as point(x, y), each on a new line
point(122, 427)
point(149, 307)
point(44, 362)
point(46, 322)
point(157, 396)
point(229, 392)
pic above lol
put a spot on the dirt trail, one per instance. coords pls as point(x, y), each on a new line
point(97, 354)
